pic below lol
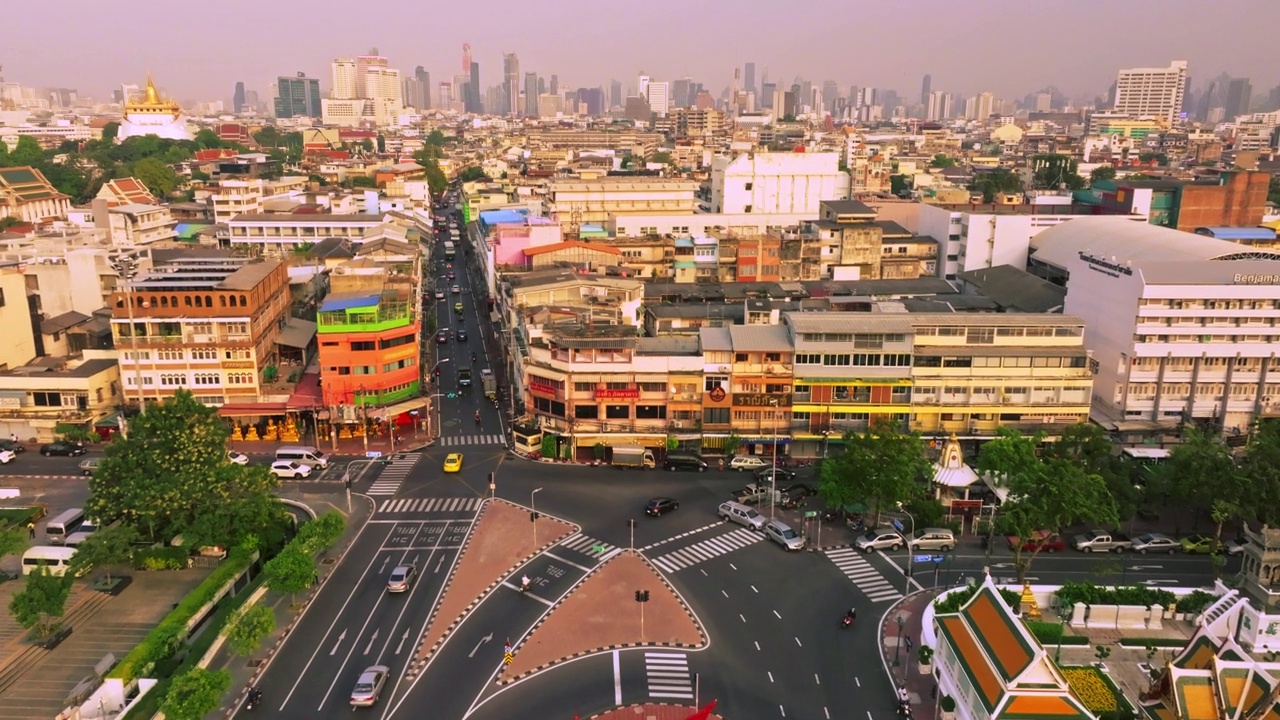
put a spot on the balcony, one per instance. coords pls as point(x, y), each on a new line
point(385, 316)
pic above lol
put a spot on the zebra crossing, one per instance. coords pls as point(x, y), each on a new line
point(394, 473)
point(430, 505)
point(863, 575)
point(586, 545)
point(473, 439)
point(668, 675)
point(707, 549)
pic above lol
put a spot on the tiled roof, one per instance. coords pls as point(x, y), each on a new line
point(1005, 645)
point(568, 244)
point(26, 184)
point(980, 672)
point(1038, 706)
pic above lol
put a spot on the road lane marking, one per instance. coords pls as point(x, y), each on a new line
point(368, 648)
point(798, 642)
point(818, 681)
point(483, 640)
point(673, 538)
point(566, 562)
point(770, 672)
point(617, 678)
point(341, 637)
point(775, 612)
point(725, 594)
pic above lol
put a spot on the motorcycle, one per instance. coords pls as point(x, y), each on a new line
point(846, 622)
point(254, 698)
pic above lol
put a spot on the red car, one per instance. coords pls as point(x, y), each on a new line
point(1040, 540)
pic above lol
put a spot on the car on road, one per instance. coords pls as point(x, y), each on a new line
point(401, 579)
point(62, 447)
point(237, 458)
point(89, 466)
point(442, 337)
point(1199, 544)
point(775, 474)
point(1237, 546)
point(801, 488)
point(290, 470)
point(746, 462)
point(453, 462)
point(457, 307)
point(933, 539)
point(1040, 541)
point(456, 289)
point(685, 462)
point(784, 535)
point(439, 294)
point(1154, 543)
point(369, 686)
point(12, 445)
point(453, 275)
point(741, 514)
point(879, 540)
point(659, 506)
point(7, 456)
point(461, 335)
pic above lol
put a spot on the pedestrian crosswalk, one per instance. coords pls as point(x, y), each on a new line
point(474, 439)
point(668, 675)
point(707, 549)
point(429, 505)
point(866, 577)
point(394, 473)
point(588, 546)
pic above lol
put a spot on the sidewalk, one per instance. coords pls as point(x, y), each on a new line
point(921, 688)
point(351, 447)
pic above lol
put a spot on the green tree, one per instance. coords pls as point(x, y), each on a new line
point(1273, 189)
point(322, 533)
point(110, 131)
point(1044, 495)
point(105, 548)
point(207, 139)
point(249, 627)
point(13, 540)
point(291, 572)
point(362, 181)
point(1050, 172)
point(661, 157)
point(171, 476)
point(998, 181)
point(880, 465)
point(472, 174)
point(8, 222)
point(1102, 172)
point(435, 137)
point(41, 601)
point(159, 178)
point(1203, 474)
point(941, 161)
point(1158, 158)
point(1087, 445)
point(898, 184)
point(26, 152)
point(1261, 468)
point(67, 178)
point(195, 693)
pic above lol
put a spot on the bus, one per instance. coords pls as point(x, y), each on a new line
point(449, 251)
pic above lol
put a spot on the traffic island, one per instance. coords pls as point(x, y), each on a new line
point(497, 546)
point(603, 613)
point(654, 711)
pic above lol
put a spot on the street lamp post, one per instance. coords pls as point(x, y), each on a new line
point(773, 474)
point(364, 416)
point(898, 645)
point(906, 586)
point(533, 515)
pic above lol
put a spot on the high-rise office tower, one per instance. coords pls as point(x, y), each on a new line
point(342, 79)
point(555, 84)
point(473, 90)
point(642, 86)
point(445, 98)
point(251, 101)
point(530, 108)
point(466, 58)
point(767, 91)
point(829, 93)
point(1239, 97)
point(659, 94)
point(615, 93)
point(510, 84)
point(1152, 92)
point(680, 96)
point(237, 98)
point(926, 86)
point(365, 63)
point(749, 77)
point(593, 98)
point(424, 84)
point(299, 95)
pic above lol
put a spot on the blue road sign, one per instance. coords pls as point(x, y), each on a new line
point(897, 525)
point(939, 558)
point(922, 558)
point(373, 453)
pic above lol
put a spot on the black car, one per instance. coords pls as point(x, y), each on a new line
point(461, 335)
point(779, 475)
point(801, 489)
point(685, 462)
point(62, 447)
point(12, 446)
point(661, 505)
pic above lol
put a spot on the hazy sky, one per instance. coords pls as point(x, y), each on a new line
point(197, 50)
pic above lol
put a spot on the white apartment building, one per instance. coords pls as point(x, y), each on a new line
point(659, 94)
point(236, 197)
point(1152, 92)
point(343, 79)
point(280, 234)
point(139, 224)
point(345, 112)
point(776, 183)
point(1180, 327)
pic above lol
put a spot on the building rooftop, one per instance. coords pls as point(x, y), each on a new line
point(1015, 289)
point(668, 345)
point(760, 338)
point(1121, 241)
point(715, 339)
point(355, 219)
point(86, 369)
point(848, 207)
point(62, 322)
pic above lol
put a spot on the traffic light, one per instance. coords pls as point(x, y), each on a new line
point(639, 596)
point(533, 516)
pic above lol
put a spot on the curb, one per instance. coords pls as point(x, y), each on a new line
point(638, 708)
point(884, 626)
point(702, 634)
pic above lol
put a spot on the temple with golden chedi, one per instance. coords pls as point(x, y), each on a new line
point(153, 115)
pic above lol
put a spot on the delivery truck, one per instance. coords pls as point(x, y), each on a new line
point(633, 456)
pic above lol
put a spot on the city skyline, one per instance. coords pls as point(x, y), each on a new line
point(940, 42)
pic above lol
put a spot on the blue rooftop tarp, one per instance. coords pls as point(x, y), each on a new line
point(1238, 233)
point(347, 303)
point(498, 217)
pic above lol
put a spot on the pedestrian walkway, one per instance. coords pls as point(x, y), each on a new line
point(394, 473)
point(668, 675)
point(429, 505)
point(586, 545)
point(473, 439)
point(707, 549)
point(867, 578)
point(898, 652)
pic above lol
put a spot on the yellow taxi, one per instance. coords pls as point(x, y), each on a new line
point(453, 462)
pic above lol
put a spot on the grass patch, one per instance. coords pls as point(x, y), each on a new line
point(20, 516)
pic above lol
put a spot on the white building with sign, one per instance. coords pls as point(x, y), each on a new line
point(1179, 326)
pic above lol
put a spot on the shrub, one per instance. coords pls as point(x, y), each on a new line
point(1196, 602)
point(947, 703)
point(956, 600)
point(322, 533)
point(1048, 633)
point(160, 558)
point(1086, 592)
point(1088, 685)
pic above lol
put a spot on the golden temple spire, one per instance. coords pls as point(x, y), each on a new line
point(153, 97)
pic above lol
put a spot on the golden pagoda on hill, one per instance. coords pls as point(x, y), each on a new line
point(153, 115)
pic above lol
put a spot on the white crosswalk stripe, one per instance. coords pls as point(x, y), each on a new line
point(668, 675)
point(429, 505)
point(588, 546)
point(474, 439)
point(866, 577)
point(394, 473)
point(707, 549)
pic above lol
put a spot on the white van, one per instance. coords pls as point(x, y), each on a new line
point(304, 454)
point(74, 539)
point(56, 559)
point(67, 522)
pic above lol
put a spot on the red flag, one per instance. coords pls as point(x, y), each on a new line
point(704, 713)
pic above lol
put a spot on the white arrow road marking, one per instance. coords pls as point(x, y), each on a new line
point(1157, 582)
point(403, 638)
point(369, 648)
point(483, 640)
point(342, 636)
point(1146, 567)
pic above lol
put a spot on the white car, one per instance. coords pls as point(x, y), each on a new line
point(289, 469)
point(879, 540)
point(456, 289)
point(237, 458)
point(746, 462)
point(439, 294)
point(7, 456)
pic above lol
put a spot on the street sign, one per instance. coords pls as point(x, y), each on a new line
point(811, 514)
point(897, 525)
point(922, 558)
point(939, 558)
point(373, 453)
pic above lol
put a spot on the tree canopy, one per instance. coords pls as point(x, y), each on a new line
point(1051, 172)
point(1104, 172)
point(472, 174)
point(880, 466)
point(195, 693)
point(171, 477)
point(941, 161)
point(998, 181)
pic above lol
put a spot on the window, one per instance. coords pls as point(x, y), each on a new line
point(651, 412)
point(236, 354)
point(172, 380)
point(897, 360)
point(204, 354)
point(748, 189)
point(652, 387)
point(395, 341)
point(983, 336)
point(957, 362)
point(397, 365)
point(835, 360)
point(206, 379)
point(364, 370)
point(584, 387)
point(711, 382)
point(341, 370)
point(361, 345)
point(202, 328)
point(169, 355)
point(809, 359)
point(586, 412)
point(865, 359)
point(715, 416)
point(617, 412)
point(46, 399)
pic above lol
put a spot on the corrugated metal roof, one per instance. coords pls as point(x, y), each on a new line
point(847, 322)
point(760, 338)
point(1127, 242)
point(715, 339)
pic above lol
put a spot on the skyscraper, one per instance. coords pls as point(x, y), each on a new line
point(531, 94)
point(1152, 92)
point(342, 79)
point(830, 91)
point(298, 95)
point(510, 84)
point(749, 77)
point(475, 104)
point(659, 94)
point(925, 87)
point(615, 93)
point(1239, 97)
point(767, 91)
point(680, 95)
point(364, 64)
point(555, 84)
point(642, 86)
point(237, 98)
point(593, 98)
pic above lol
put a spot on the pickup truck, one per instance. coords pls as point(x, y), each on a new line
point(752, 494)
point(1101, 541)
